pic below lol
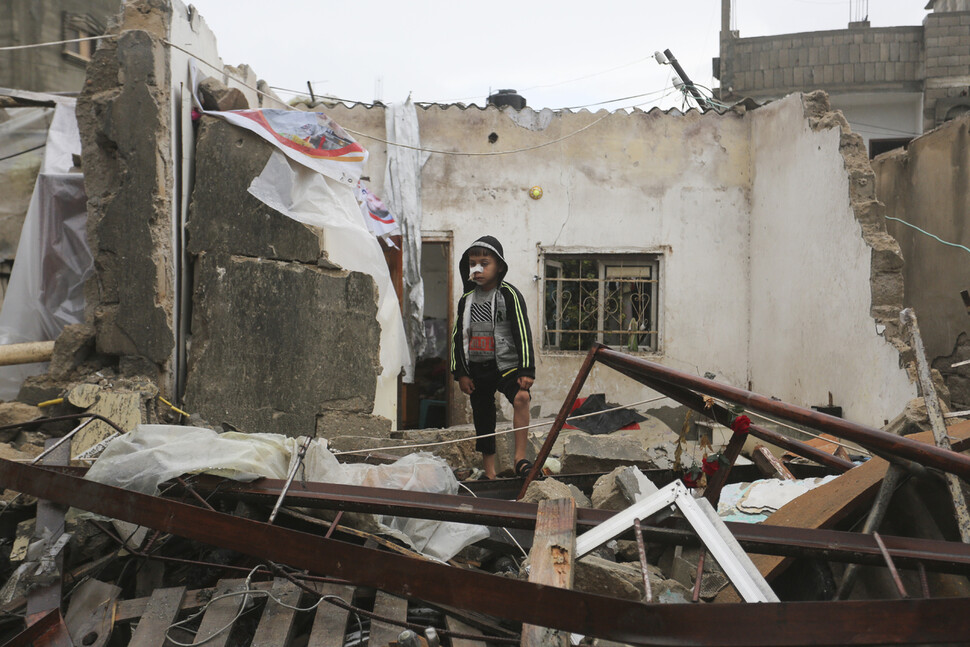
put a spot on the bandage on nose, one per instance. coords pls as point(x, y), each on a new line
point(474, 269)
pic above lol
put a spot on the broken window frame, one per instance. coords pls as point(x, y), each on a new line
point(79, 26)
point(594, 326)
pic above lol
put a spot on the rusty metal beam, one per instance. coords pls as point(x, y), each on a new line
point(940, 556)
point(721, 415)
point(772, 624)
point(922, 453)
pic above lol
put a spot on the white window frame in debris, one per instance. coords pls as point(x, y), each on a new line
point(611, 298)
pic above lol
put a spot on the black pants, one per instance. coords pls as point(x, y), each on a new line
point(487, 381)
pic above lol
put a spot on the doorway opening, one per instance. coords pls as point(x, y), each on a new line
point(426, 403)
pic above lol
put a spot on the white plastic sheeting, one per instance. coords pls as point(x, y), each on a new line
point(23, 132)
point(402, 185)
point(152, 454)
point(314, 199)
point(53, 260)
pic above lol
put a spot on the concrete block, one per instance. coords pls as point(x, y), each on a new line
point(123, 114)
point(584, 453)
point(224, 217)
point(275, 345)
point(828, 74)
point(838, 74)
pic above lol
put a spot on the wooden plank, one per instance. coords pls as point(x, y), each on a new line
point(330, 621)
point(163, 608)
point(220, 614)
point(276, 624)
point(830, 503)
point(769, 464)
point(551, 562)
point(129, 609)
point(456, 625)
point(389, 606)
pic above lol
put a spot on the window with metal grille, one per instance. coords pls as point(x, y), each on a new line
point(606, 298)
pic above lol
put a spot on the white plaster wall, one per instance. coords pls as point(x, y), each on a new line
point(811, 329)
point(646, 183)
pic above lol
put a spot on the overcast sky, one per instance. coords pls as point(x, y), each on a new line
point(563, 54)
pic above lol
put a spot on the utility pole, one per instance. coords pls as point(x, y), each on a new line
point(698, 97)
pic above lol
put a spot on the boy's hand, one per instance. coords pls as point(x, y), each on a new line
point(525, 382)
point(466, 384)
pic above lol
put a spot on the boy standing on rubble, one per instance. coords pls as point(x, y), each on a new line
point(491, 349)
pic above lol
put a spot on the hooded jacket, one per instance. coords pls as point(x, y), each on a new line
point(514, 350)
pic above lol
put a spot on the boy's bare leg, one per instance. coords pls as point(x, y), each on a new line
point(488, 464)
point(520, 420)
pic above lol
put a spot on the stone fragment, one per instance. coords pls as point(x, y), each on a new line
point(597, 575)
point(345, 423)
point(546, 489)
point(582, 501)
point(458, 455)
point(72, 347)
point(585, 453)
point(13, 413)
point(215, 95)
point(621, 488)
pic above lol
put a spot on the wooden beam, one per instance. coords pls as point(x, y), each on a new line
point(551, 562)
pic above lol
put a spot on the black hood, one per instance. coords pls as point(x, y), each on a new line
point(488, 242)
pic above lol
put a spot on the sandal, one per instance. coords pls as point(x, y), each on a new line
point(523, 467)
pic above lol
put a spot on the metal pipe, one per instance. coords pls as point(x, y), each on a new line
point(699, 576)
point(922, 453)
point(892, 567)
point(647, 591)
point(289, 479)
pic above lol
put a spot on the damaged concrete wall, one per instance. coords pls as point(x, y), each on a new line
point(126, 128)
point(826, 279)
point(282, 340)
point(732, 203)
point(928, 185)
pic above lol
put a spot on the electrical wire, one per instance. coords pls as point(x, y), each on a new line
point(933, 236)
point(23, 152)
point(54, 42)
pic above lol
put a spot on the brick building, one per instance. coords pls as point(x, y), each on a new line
point(892, 83)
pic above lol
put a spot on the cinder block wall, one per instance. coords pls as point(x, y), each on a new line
point(947, 65)
point(884, 59)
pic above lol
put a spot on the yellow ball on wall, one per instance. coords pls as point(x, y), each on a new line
point(535, 192)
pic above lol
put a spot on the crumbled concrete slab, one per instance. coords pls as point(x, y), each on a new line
point(216, 95)
point(335, 422)
point(73, 347)
point(224, 217)
point(12, 413)
point(621, 488)
point(585, 453)
point(547, 490)
point(625, 580)
point(275, 345)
